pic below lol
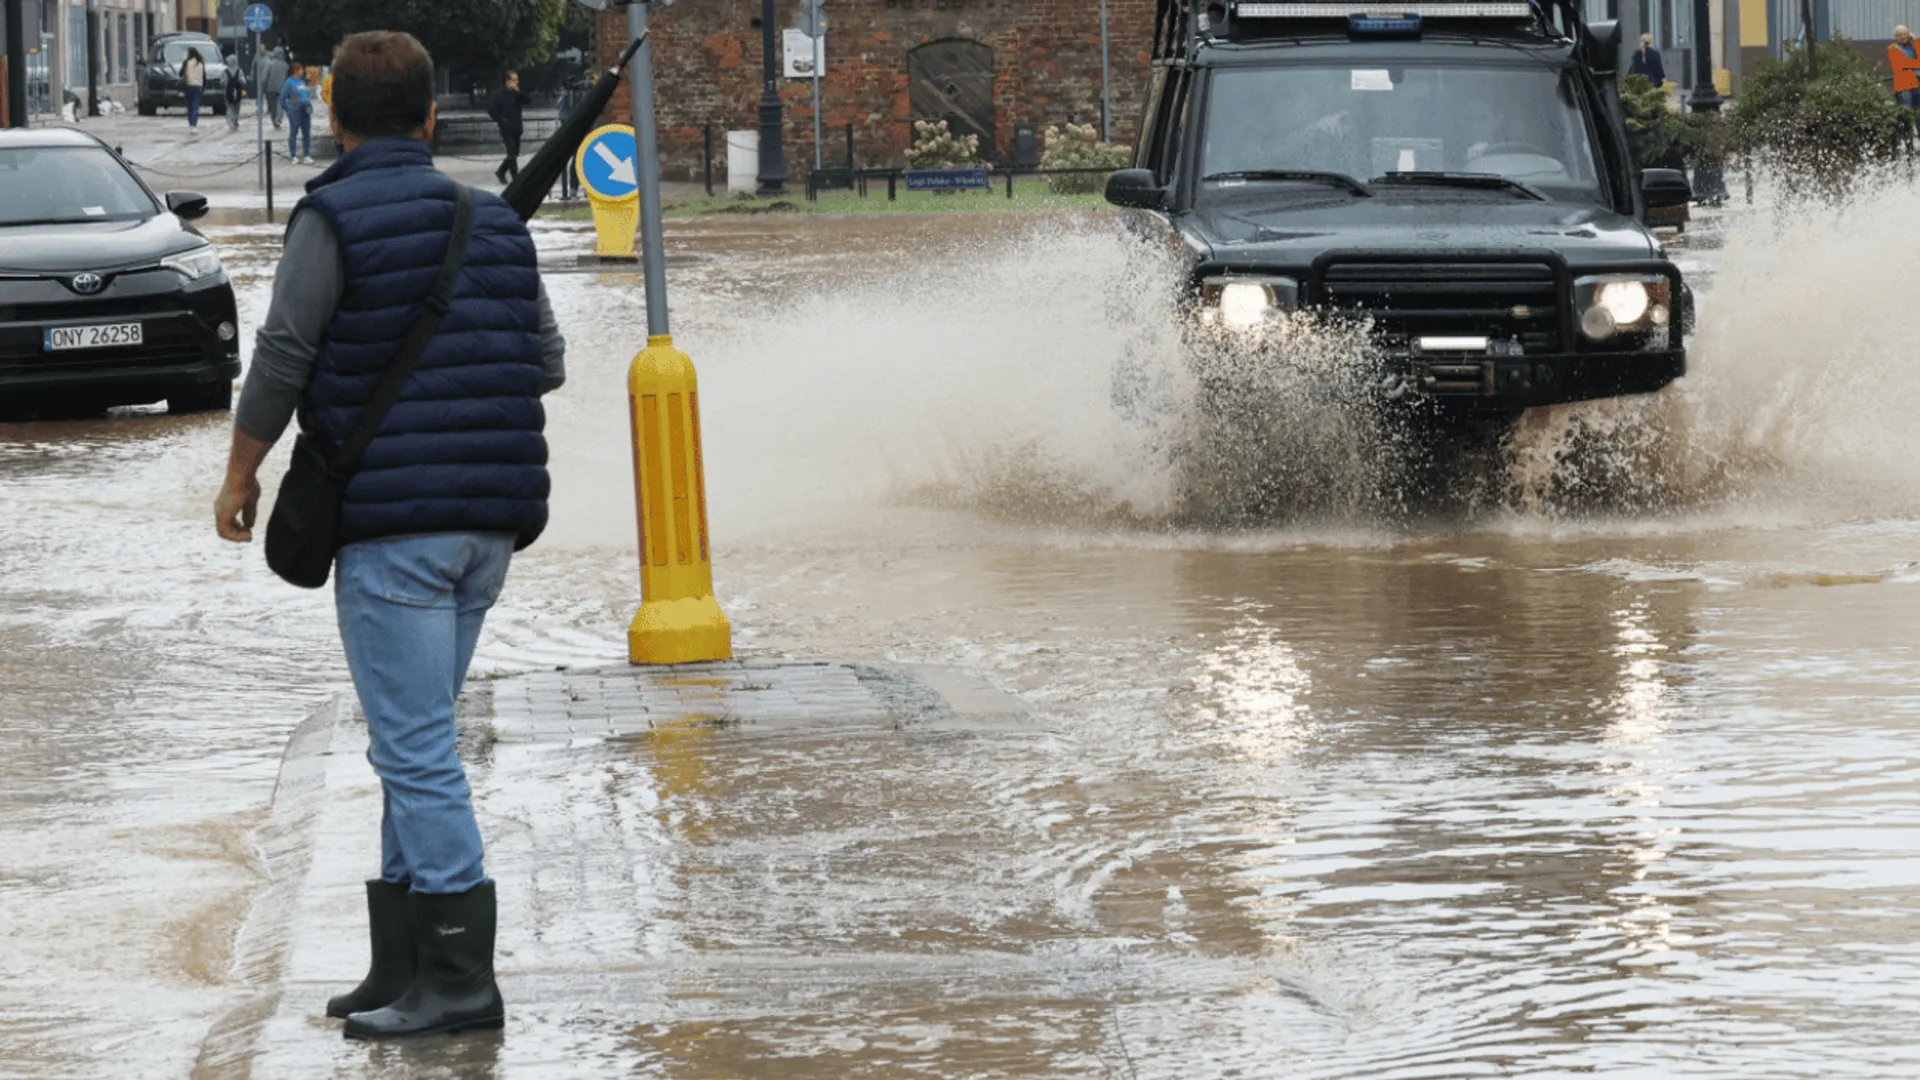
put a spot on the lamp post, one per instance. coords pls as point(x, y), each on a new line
point(773, 156)
point(1709, 185)
point(16, 65)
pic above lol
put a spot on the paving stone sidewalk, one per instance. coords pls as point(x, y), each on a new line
point(613, 802)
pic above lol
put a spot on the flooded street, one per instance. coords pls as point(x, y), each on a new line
point(1612, 772)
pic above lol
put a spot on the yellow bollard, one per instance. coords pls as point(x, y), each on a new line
point(679, 620)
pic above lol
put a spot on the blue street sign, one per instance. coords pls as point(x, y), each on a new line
point(947, 179)
point(608, 162)
point(259, 18)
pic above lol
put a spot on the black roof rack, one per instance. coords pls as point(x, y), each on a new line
point(1180, 26)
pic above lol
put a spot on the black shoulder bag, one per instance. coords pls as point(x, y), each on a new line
point(304, 532)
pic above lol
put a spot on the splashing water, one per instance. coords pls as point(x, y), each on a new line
point(1038, 375)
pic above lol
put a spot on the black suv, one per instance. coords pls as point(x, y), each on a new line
point(160, 84)
point(1454, 177)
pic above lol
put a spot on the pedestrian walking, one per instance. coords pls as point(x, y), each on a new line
point(1906, 69)
point(193, 76)
point(506, 111)
point(296, 100)
point(452, 483)
point(270, 81)
point(236, 92)
point(1646, 61)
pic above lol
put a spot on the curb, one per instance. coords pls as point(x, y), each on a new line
point(284, 843)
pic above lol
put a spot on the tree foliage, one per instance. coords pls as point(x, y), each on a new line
point(1656, 133)
point(1825, 127)
point(480, 37)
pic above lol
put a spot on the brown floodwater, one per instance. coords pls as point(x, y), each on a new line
point(1607, 765)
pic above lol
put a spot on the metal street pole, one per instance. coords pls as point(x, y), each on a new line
point(1705, 97)
point(773, 156)
point(93, 60)
point(1709, 178)
point(819, 53)
point(653, 245)
point(259, 117)
point(1106, 78)
point(16, 65)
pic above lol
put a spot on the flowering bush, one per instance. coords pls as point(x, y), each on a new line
point(936, 147)
point(1078, 146)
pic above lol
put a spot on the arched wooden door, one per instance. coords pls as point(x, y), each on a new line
point(953, 81)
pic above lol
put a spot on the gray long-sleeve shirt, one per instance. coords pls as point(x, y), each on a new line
point(307, 289)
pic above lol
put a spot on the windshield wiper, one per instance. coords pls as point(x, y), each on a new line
point(51, 221)
point(1312, 176)
point(1462, 179)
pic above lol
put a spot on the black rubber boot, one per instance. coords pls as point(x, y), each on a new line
point(453, 989)
point(390, 929)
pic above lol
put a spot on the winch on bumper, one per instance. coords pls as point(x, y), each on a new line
point(1482, 332)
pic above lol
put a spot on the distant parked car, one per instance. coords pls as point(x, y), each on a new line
point(160, 85)
point(107, 294)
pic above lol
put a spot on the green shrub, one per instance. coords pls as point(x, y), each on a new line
point(1655, 132)
point(1078, 146)
point(1823, 129)
point(936, 147)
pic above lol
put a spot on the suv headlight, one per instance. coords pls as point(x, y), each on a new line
point(194, 265)
point(1612, 305)
point(1242, 301)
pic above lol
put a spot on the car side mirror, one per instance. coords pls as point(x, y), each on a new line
point(1665, 189)
point(1135, 188)
point(187, 205)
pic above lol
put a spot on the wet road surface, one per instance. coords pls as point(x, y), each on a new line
point(1615, 775)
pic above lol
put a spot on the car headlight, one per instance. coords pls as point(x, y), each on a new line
point(1243, 302)
point(194, 265)
point(1613, 305)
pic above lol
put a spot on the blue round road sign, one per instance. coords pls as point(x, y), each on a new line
point(609, 163)
point(259, 18)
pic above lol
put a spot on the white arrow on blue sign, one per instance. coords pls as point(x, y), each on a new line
point(607, 164)
point(259, 18)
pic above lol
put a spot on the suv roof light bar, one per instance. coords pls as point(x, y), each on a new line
point(1426, 9)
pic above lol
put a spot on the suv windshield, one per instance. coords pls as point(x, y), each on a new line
point(49, 185)
point(174, 53)
point(1519, 123)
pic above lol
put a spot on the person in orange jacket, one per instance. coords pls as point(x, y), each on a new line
point(1904, 58)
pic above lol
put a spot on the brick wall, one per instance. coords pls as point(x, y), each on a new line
point(707, 57)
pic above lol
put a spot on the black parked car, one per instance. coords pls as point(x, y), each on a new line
point(160, 86)
point(107, 295)
point(1452, 176)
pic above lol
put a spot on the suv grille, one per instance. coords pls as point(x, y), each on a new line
point(1502, 300)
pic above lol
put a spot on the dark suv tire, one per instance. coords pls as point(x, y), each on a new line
point(148, 108)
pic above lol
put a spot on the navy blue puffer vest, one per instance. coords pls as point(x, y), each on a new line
point(462, 450)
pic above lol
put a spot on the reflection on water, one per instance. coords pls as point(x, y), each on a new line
point(1624, 795)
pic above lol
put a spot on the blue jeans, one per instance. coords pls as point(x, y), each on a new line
point(299, 126)
point(193, 105)
point(410, 613)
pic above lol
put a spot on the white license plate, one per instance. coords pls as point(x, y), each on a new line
point(103, 336)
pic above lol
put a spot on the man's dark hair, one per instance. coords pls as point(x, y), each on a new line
point(382, 84)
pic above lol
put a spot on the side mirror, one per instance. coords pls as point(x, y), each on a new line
point(1135, 188)
point(187, 205)
point(1603, 41)
point(1665, 189)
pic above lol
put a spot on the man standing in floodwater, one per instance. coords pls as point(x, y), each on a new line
point(453, 484)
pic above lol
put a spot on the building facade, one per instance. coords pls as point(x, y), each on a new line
point(988, 67)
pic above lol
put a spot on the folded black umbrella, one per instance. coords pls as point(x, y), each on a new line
point(555, 156)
